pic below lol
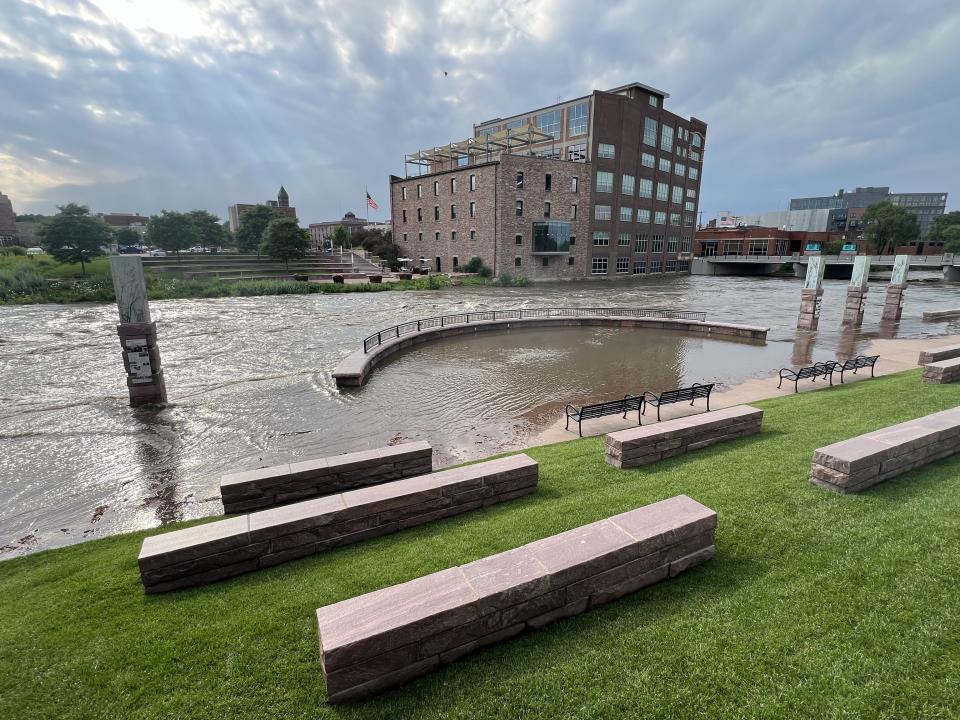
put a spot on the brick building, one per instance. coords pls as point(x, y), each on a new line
point(281, 206)
point(321, 233)
point(602, 186)
point(757, 241)
point(8, 222)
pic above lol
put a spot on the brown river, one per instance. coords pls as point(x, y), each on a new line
point(249, 383)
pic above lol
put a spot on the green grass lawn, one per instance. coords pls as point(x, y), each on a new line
point(816, 605)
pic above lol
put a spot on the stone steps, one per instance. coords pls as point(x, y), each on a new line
point(207, 553)
point(384, 638)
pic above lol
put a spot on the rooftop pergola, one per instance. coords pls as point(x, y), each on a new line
point(502, 140)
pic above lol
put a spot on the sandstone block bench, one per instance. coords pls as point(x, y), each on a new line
point(266, 487)
point(861, 462)
point(644, 445)
point(237, 545)
point(384, 638)
point(944, 371)
point(945, 352)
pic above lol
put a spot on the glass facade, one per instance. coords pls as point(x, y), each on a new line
point(577, 119)
point(551, 237)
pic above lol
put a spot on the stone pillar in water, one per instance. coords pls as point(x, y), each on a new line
point(857, 291)
point(810, 295)
point(138, 334)
point(893, 303)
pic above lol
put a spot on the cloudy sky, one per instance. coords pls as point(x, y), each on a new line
point(138, 105)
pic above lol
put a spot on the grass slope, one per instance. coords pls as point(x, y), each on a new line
point(817, 605)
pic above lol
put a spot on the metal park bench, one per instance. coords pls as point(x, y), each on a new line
point(861, 361)
point(669, 397)
point(611, 407)
point(822, 369)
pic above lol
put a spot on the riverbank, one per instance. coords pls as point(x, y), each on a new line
point(840, 605)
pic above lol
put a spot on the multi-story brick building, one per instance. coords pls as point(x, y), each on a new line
point(8, 222)
point(281, 206)
point(602, 186)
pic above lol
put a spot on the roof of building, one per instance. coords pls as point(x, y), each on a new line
point(283, 193)
point(649, 89)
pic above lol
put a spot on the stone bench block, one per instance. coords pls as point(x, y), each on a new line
point(861, 462)
point(206, 553)
point(942, 371)
point(386, 637)
point(266, 487)
point(650, 443)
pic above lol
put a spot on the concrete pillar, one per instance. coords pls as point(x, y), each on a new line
point(893, 303)
point(811, 294)
point(857, 292)
point(138, 333)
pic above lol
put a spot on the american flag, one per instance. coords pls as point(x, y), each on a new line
point(371, 202)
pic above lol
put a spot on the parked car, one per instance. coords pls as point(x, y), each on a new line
point(158, 253)
point(130, 250)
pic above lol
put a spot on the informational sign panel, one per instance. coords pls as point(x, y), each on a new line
point(813, 248)
point(815, 268)
point(861, 271)
point(901, 264)
point(138, 358)
point(849, 248)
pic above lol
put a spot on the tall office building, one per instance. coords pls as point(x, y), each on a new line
point(8, 222)
point(847, 208)
point(605, 185)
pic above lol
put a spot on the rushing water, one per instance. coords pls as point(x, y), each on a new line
point(249, 382)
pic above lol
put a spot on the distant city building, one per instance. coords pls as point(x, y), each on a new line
point(8, 222)
point(118, 221)
point(846, 208)
point(605, 185)
point(383, 227)
point(27, 234)
point(714, 241)
point(321, 232)
point(281, 205)
point(805, 220)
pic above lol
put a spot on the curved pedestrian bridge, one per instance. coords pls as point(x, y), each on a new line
point(353, 370)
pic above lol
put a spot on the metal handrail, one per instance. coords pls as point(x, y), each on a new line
point(486, 315)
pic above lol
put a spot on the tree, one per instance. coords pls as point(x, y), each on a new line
point(378, 243)
point(208, 227)
point(253, 224)
point(128, 236)
point(340, 237)
point(941, 229)
point(951, 239)
point(172, 231)
point(285, 240)
point(74, 236)
point(888, 225)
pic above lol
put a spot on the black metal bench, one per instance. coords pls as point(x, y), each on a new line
point(822, 369)
point(669, 397)
point(861, 361)
point(611, 407)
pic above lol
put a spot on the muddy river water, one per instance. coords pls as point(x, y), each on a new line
point(249, 383)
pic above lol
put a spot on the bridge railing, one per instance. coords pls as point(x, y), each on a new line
point(378, 338)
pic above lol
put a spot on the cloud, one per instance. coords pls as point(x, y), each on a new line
point(140, 105)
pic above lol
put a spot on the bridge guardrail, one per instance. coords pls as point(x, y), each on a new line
point(396, 331)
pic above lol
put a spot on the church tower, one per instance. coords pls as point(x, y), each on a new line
point(283, 200)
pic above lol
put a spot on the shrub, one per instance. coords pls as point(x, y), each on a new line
point(475, 265)
point(508, 280)
point(338, 279)
point(19, 280)
point(12, 250)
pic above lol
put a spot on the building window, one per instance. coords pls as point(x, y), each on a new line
point(404, 238)
point(657, 244)
point(626, 214)
point(573, 239)
point(517, 261)
point(473, 209)
point(599, 266)
point(604, 181)
point(436, 187)
point(654, 266)
point(548, 182)
point(453, 212)
point(691, 206)
point(758, 247)
point(453, 185)
point(694, 155)
point(680, 169)
point(654, 101)
point(419, 190)
point(574, 184)
point(624, 240)
point(733, 247)
point(577, 153)
point(697, 140)
point(643, 215)
point(436, 237)
point(694, 173)
point(673, 242)
point(436, 213)
point(519, 181)
point(419, 214)
point(663, 191)
point(420, 237)
point(453, 235)
point(647, 160)
point(403, 193)
point(639, 267)
point(601, 212)
point(456, 261)
point(519, 208)
point(549, 122)
point(623, 265)
point(664, 165)
point(546, 209)
point(691, 193)
point(403, 214)
point(577, 117)
point(675, 219)
point(601, 237)
point(605, 150)
point(546, 261)
point(473, 234)
point(646, 188)
point(573, 212)
point(641, 244)
point(518, 239)
point(570, 260)
point(666, 138)
point(473, 183)
point(671, 265)
point(677, 194)
point(649, 131)
point(626, 185)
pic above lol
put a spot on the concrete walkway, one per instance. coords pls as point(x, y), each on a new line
point(895, 356)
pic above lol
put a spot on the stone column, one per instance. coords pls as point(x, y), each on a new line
point(138, 333)
point(811, 294)
point(857, 292)
point(893, 303)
